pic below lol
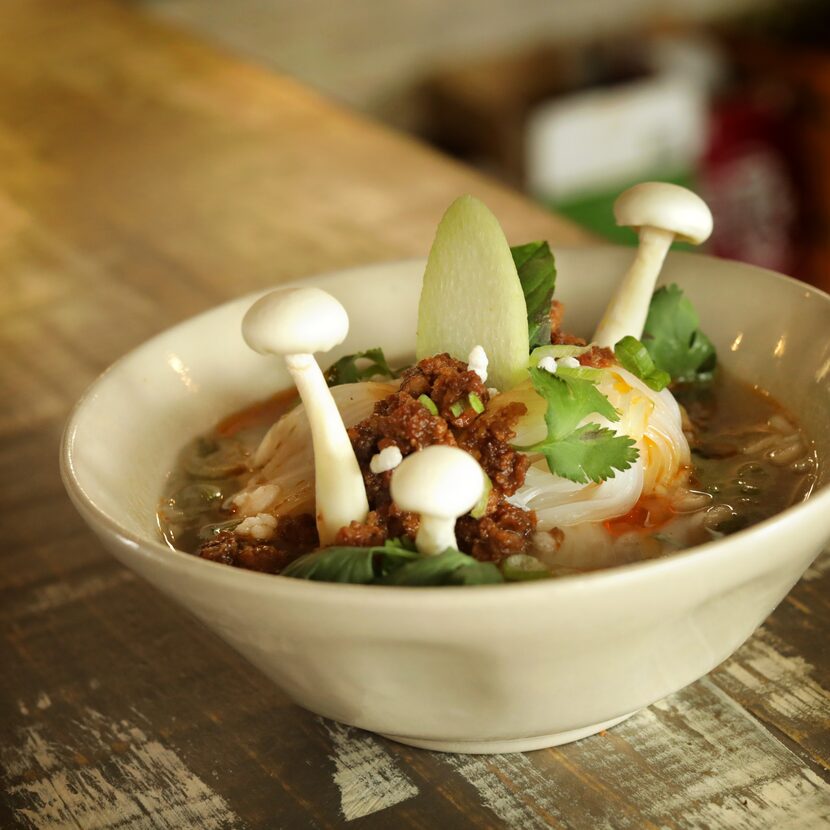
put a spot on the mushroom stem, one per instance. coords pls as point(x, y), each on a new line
point(435, 535)
point(626, 313)
point(661, 212)
point(440, 483)
point(296, 323)
point(339, 490)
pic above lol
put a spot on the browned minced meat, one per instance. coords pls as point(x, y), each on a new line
point(599, 357)
point(387, 522)
point(557, 336)
point(294, 536)
point(505, 530)
point(402, 420)
point(398, 420)
point(487, 440)
point(447, 381)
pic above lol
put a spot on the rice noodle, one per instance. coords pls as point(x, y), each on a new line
point(559, 502)
point(652, 419)
point(285, 457)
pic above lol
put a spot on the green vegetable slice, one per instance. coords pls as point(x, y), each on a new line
point(481, 505)
point(579, 453)
point(537, 274)
point(428, 404)
point(520, 567)
point(353, 368)
point(472, 294)
point(673, 339)
point(576, 372)
point(634, 356)
point(557, 351)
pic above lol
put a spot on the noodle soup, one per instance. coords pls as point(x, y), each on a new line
point(750, 461)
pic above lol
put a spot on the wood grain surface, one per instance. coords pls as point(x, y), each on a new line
point(145, 177)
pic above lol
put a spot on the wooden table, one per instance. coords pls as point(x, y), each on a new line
point(144, 177)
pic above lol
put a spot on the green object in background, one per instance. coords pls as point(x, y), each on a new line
point(596, 212)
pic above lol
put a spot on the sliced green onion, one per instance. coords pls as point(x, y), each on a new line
point(634, 356)
point(580, 373)
point(475, 402)
point(456, 409)
point(481, 505)
point(556, 352)
point(428, 404)
point(520, 567)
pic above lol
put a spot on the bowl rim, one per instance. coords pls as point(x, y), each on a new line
point(358, 595)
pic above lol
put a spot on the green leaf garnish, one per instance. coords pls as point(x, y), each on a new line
point(448, 568)
point(475, 403)
point(590, 453)
point(481, 505)
point(634, 356)
point(537, 274)
point(346, 370)
point(579, 453)
point(358, 566)
point(428, 404)
point(395, 563)
point(673, 339)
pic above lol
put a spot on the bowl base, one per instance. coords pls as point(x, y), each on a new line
point(510, 744)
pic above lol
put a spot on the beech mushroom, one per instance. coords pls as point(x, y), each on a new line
point(661, 213)
point(296, 323)
point(440, 483)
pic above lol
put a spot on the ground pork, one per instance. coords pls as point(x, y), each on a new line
point(505, 530)
point(402, 420)
point(294, 535)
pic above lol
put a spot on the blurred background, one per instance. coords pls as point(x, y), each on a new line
point(573, 101)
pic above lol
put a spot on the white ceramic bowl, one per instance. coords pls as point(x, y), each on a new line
point(484, 669)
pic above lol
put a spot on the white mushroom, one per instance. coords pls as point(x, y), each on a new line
point(661, 212)
point(440, 483)
point(296, 323)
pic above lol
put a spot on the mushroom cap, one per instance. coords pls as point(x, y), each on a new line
point(295, 321)
point(665, 206)
point(439, 481)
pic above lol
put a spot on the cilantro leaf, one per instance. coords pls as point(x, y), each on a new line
point(634, 356)
point(537, 274)
point(579, 453)
point(569, 401)
point(590, 453)
point(673, 339)
point(346, 370)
